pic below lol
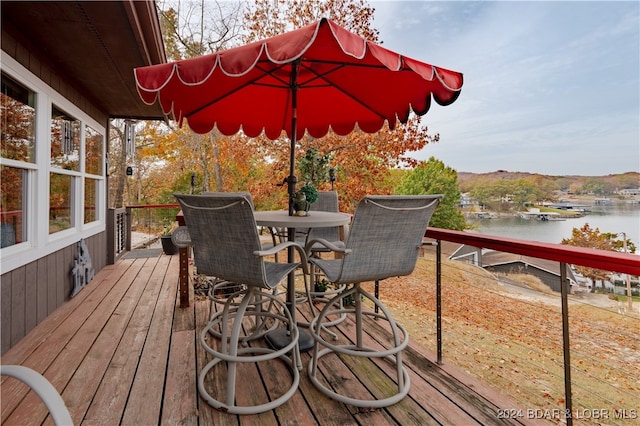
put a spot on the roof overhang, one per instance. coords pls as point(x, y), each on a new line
point(93, 46)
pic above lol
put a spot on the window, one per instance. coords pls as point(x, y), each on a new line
point(17, 144)
point(52, 169)
point(65, 140)
point(90, 200)
point(18, 121)
point(60, 203)
point(93, 142)
point(93, 165)
point(12, 206)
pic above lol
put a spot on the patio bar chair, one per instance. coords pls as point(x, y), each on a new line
point(384, 241)
point(226, 245)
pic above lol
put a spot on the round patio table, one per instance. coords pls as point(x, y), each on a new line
point(314, 219)
point(279, 338)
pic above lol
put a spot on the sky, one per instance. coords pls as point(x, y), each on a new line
point(550, 87)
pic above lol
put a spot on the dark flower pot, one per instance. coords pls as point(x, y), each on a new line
point(167, 245)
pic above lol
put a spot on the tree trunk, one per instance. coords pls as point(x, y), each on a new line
point(216, 167)
point(120, 170)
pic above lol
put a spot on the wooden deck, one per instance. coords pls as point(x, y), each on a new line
point(123, 352)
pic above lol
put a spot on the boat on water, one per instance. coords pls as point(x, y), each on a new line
point(536, 214)
point(482, 215)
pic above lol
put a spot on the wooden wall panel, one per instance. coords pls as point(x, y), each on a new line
point(21, 52)
point(70, 254)
point(52, 273)
point(42, 285)
point(32, 292)
point(5, 312)
point(18, 304)
point(31, 296)
point(60, 277)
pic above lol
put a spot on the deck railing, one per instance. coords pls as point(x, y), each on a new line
point(150, 218)
point(613, 408)
point(118, 236)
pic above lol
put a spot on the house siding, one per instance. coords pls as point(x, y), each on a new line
point(28, 56)
point(33, 291)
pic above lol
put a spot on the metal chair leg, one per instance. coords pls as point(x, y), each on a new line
point(231, 354)
point(392, 355)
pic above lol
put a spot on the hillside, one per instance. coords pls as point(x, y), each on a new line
point(599, 184)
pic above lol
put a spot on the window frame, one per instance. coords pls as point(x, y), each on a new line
point(38, 242)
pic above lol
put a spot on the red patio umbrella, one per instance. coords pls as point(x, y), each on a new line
point(312, 79)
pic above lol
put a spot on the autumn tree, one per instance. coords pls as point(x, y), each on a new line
point(117, 163)
point(433, 177)
point(591, 238)
point(167, 156)
point(195, 28)
point(268, 18)
point(17, 142)
point(620, 244)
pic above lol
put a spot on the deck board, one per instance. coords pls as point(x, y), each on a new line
point(123, 351)
point(57, 345)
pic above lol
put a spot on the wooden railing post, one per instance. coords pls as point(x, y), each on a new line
point(183, 278)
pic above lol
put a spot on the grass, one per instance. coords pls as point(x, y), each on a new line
point(513, 340)
point(624, 298)
point(560, 211)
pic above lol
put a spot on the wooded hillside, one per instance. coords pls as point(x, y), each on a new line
point(599, 185)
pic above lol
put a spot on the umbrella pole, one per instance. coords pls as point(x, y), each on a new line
point(305, 341)
point(292, 180)
point(281, 337)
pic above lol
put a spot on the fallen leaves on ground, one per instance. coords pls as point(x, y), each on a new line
point(515, 344)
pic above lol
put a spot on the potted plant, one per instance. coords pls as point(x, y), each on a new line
point(304, 197)
point(165, 239)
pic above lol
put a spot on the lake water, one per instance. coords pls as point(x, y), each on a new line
point(619, 217)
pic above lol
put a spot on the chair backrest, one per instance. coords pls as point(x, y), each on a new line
point(385, 236)
point(245, 194)
point(225, 236)
point(328, 202)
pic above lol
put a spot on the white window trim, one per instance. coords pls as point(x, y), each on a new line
point(39, 243)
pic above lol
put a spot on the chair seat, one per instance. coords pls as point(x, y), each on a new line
point(330, 267)
point(276, 272)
